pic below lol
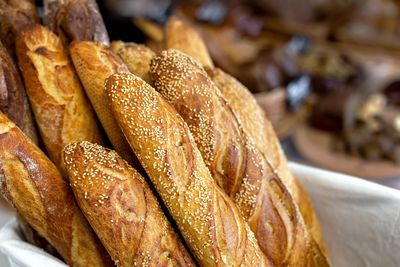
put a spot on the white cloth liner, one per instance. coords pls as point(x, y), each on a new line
point(360, 223)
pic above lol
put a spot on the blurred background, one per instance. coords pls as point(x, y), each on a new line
point(326, 72)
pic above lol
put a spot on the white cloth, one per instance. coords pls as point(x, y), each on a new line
point(360, 220)
point(16, 253)
point(360, 223)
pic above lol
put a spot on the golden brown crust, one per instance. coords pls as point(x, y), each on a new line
point(254, 123)
point(181, 37)
point(259, 128)
point(61, 109)
point(14, 15)
point(209, 221)
point(234, 160)
point(13, 99)
point(94, 63)
point(121, 208)
point(75, 20)
point(137, 58)
point(37, 190)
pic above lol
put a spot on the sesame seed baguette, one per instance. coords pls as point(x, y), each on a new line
point(121, 208)
point(254, 122)
point(94, 63)
point(60, 106)
point(182, 37)
point(137, 58)
point(208, 220)
point(13, 101)
point(32, 183)
point(235, 162)
point(75, 20)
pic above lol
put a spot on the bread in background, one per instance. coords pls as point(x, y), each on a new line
point(75, 20)
point(137, 58)
point(182, 37)
point(14, 16)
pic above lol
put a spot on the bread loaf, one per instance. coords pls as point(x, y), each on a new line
point(137, 58)
point(259, 128)
point(75, 20)
point(253, 122)
point(31, 182)
point(121, 208)
point(207, 218)
point(14, 15)
point(181, 37)
point(14, 104)
point(13, 99)
point(94, 63)
point(61, 109)
point(235, 162)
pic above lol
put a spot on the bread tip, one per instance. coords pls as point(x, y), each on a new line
point(174, 22)
point(117, 44)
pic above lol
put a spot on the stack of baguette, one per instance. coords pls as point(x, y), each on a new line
point(197, 176)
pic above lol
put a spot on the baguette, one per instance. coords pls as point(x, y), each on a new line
point(40, 195)
point(207, 218)
point(235, 162)
point(75, 20)
point(260, 128)
point(60, 107)
point(136, 57)
point(121, 208)
point(13, 99)
point(181, 37)
point(15, 15)
point(94, 63)
point(256, 125)
point(14, 104)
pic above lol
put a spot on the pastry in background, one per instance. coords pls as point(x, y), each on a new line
point(354, 121)
point(373, 23)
